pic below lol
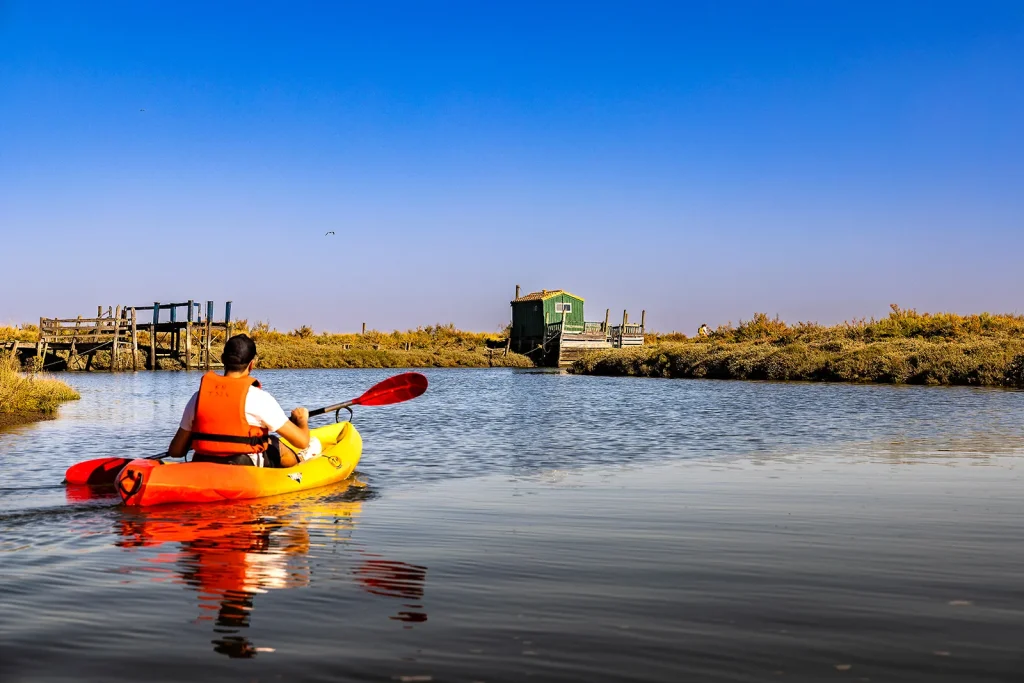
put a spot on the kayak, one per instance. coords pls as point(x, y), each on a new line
point(153, 482)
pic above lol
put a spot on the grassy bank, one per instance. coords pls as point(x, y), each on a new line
point(436, 346)
point(906, 347)
point(25, 398)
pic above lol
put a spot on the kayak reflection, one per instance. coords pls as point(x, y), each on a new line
point(230, 554)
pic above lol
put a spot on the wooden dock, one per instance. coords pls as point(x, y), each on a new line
point(129, 337)
point(563, 344)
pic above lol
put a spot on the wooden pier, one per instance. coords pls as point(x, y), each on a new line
point(563, 343)
point(132, 337)
point(550, 327)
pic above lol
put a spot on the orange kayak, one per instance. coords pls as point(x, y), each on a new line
point(152, 482)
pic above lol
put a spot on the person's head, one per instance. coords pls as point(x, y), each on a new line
point(239, 354)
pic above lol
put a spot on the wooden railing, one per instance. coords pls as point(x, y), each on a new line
point(552, 330)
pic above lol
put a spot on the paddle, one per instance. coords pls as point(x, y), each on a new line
point(408, 385)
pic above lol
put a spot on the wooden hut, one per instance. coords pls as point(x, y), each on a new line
point(549, 326)
point(531, 315)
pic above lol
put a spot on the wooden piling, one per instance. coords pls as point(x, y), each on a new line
point(114, 343)
point(209, 334)
point(364, 329)
point(135, 344)
point(643, 319)
point(74, 338)
point(227, 321)
point(152, 335)
point(188, 336)
point(607, 314)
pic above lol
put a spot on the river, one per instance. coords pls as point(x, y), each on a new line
point(511, 526)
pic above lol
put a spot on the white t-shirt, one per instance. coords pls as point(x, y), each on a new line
point(261, 410)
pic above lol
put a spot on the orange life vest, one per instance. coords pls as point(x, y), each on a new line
point(219, 427)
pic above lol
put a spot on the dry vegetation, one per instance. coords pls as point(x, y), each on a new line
point(434, 346)
point(438, 346)
point(28, 397)
point(906, 347)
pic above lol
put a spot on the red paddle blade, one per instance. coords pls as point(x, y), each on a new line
point(96, 472)
point(393, 390)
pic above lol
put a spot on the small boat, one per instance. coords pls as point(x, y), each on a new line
point(153, 482)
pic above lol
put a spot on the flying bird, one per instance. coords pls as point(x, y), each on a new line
point(330, 232)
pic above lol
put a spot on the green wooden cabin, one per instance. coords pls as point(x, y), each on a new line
point(532, 313)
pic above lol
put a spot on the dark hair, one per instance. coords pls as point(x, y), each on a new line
point(238, 353)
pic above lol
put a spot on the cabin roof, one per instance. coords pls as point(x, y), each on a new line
point(544, 294)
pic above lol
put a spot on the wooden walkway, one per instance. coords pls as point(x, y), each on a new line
point(563, 344)
point(72, 343)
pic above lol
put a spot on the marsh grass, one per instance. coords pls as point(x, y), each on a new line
point(29, 396)
point(906, 347)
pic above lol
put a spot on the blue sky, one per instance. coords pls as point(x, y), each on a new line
point(703, 161)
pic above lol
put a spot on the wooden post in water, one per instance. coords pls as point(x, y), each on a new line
point(74, 338)
point(188, 336)
point(209, 333)
point(113, 344)
point(135, 344)
point(152, 335)
point(175, 337)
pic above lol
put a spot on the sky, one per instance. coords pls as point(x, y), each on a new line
point(702, 161)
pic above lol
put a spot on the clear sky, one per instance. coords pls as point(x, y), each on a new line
point(702, 160)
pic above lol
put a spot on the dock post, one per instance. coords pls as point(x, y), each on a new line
point(188, 336)
point(227, 321)
point(175, 337)
point(607, 313)
point(113, 344)
point(74, 338)
point(152, 335)
point(40, 347)
point(135, 344)
point(643, 320)
point(209, 333)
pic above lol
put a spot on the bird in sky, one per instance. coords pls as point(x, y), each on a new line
point(329, 232)
point(142, 110)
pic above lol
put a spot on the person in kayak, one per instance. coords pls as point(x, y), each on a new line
point(230, 419)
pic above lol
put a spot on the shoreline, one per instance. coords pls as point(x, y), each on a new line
point(975, 362)
point(19, 418)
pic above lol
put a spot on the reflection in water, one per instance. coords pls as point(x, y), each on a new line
point(231, 554)
point(395, 580)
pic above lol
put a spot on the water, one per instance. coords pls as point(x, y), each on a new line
point(512, 526)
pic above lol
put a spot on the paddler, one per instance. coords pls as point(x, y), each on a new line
point(230, 419)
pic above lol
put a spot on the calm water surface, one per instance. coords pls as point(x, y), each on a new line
point(513, 526)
